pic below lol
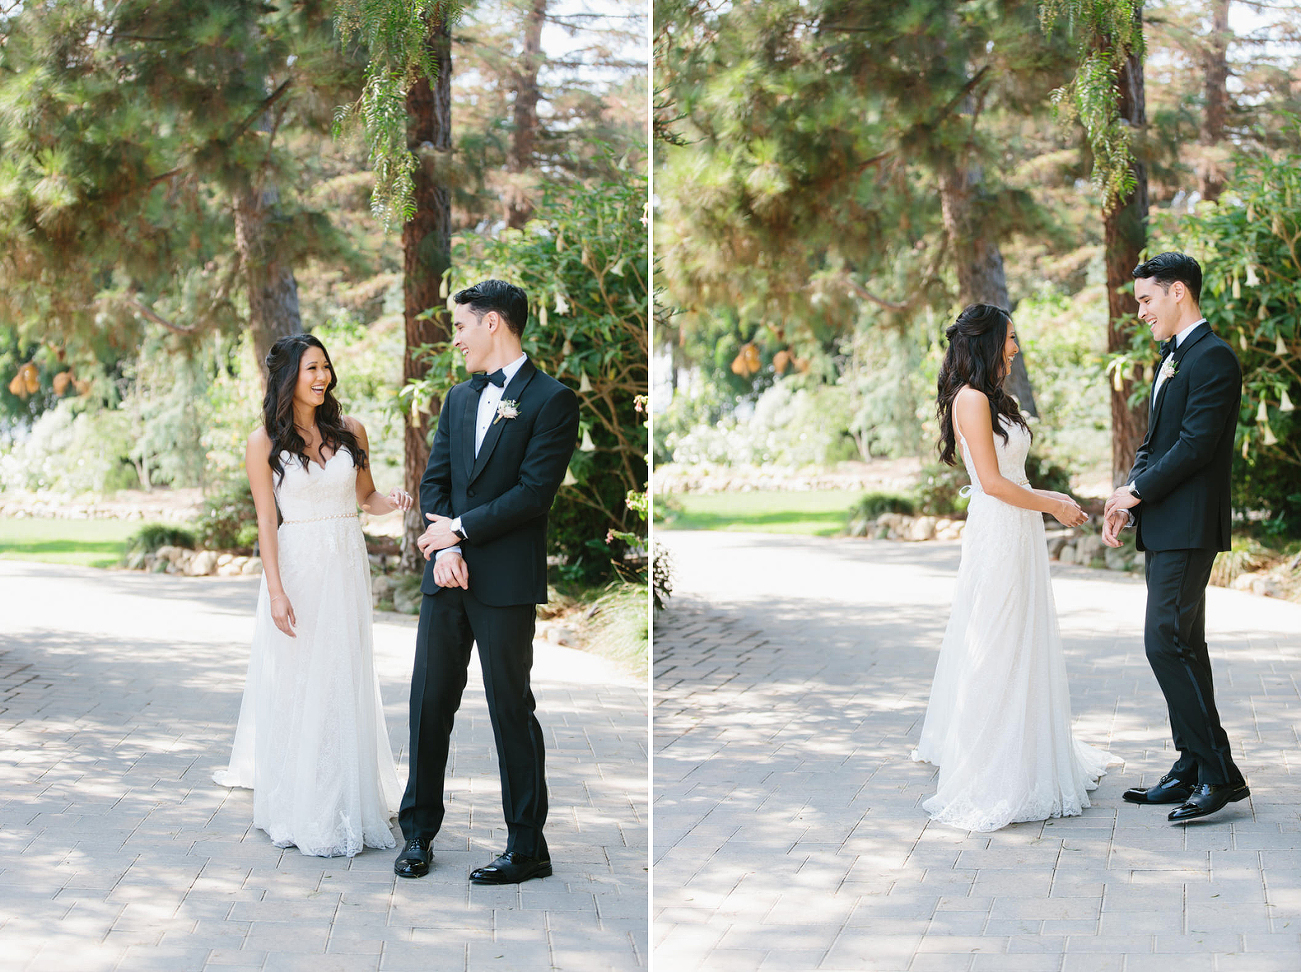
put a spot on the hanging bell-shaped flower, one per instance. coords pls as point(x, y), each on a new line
point(569, 479)
point(568, 347)
point(1262, 414)
point(1286, 404)
point(1237, 287)
point(542, 316)
point(1280, 348)
point(585, 386)
point(587, 445)
point(443, 287)
point(1269, 439)
point(1252, 279)
point(562, 305)
point(1242, 340)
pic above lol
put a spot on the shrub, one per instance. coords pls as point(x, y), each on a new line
point(874, 504)
point(938, 491)
point(582, 261)
point(151, 536)
point(228, 514)
point(1251, 295)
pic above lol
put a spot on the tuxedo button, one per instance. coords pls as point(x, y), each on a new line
point(469, 492)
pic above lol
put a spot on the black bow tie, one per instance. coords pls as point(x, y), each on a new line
point(498, 378)
point(1169, 347)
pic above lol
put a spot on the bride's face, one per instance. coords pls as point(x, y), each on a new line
point(1010, 348)
point(314, 375)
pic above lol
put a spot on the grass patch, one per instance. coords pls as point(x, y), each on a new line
point(820, 514)
point(85, 543)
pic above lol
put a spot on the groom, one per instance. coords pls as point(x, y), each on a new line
point(503, 444)
point(1178, 496)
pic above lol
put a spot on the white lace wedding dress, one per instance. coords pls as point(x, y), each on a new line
point(998, 724)
point(311, 740)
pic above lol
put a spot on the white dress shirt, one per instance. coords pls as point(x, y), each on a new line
point(489, 399)
point(1179, 340)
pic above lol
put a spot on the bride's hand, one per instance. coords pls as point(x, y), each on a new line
point(282, 613)
point(1068, 513)
point(400, 499)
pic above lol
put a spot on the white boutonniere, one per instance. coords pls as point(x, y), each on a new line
point(1169, 369)
point(506, 409)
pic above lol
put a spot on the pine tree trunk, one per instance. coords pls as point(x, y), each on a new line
point(1210, 177)
point(981, 278)
point(272, 289)
point(426, 251)
point(1125, 235)
point(527, 94)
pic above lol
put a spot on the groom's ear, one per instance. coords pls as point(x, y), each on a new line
point(1178, 289)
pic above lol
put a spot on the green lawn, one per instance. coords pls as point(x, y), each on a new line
point(821, 514)
point(86, 543)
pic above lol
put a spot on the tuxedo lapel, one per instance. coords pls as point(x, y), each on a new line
point(1176, 356)
point(469, 417)
point(512, 392)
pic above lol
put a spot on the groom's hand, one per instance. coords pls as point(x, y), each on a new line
point(1112, 524)
point(450, 570)
point(437, 535)
point(1121, 499)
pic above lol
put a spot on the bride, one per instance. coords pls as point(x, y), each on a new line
point(311, 741)
point(998, 724)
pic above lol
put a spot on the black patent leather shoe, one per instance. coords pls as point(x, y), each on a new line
point(1208, 798)
point(1171, 789)
point(414, 860)
point(512, 868)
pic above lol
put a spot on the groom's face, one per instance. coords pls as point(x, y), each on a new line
point(1158, 306)
point(473, 337)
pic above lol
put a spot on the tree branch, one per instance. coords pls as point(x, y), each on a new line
point(151, 315)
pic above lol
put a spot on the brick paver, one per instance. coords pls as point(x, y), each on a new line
point(791, 676)
point(118, 698)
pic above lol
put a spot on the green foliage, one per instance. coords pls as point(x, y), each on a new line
point(661, 575)
point(874, 504)
point(395, 33)
point(938, 489)
point(1106, 33)
point(1249, 247)
point(228, 512)
point(130, 132)
point(582, 261)
point(151, 536)
point(620, 627)
point(78, 446)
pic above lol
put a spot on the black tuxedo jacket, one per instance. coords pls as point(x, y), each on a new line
point(1182, 469)
point(503, 496)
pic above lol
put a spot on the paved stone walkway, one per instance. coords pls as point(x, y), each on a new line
point(119, 694)
point(791, 676)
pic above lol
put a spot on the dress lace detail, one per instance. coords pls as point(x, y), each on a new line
point(998, 724)
point(311, 740)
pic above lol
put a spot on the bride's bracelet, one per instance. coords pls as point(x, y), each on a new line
point(278, 597)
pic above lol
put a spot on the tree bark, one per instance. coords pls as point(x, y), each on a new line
point(1125, 235)
point(527, 95)
point(272, 289)
point(426, 252)
point(981, 278)
point(1215, 63)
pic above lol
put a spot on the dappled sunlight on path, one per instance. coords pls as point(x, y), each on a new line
point(119, 693)
point(791, 677)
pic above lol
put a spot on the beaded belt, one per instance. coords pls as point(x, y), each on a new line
point(317, 519)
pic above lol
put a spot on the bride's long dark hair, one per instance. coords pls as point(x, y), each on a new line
point(975, 358)
point(278, 406)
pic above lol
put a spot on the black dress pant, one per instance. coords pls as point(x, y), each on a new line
point(1175, 638)
point(450, 622)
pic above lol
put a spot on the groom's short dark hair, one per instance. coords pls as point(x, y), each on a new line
point(1170, 266)
point(497, 295)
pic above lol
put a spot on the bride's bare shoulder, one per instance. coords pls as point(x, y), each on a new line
point(972, 407)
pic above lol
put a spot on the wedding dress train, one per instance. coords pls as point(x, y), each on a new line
point(311, 740)
point(998, 724)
